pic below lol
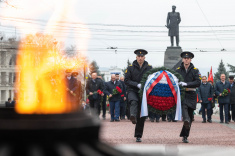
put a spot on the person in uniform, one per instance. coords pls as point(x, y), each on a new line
point(192, 79)
point(133, 76)
point(172, 23)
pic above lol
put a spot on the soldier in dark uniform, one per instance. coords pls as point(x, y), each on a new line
point(133, 76)
point(192, 79)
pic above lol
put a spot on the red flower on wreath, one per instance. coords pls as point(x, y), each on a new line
point(161, 103)
point(229, 90)
point(122, 95)
point(118, 89)
point(108, 105)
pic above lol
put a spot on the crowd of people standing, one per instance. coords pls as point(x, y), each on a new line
point(224, 92)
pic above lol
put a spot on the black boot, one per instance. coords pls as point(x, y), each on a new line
point(133, 119)
point(138, 139)
point(187, 124)
point(185, 139)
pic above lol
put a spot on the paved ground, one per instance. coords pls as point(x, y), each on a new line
point(167, 133)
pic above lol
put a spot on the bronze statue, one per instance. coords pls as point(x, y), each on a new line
point(172, 23)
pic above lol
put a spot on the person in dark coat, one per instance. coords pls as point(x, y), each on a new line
point(93, 85)
point(192, 79)
point(213, 98)
point(78, 91)
point(103, 101)
point(133, 76)
point(123, 97)
point(231, 105)
point(205, 96)
point(232, 97)
point(71, 87)
point(223, 100)
point(114, 99)
point(8, 103)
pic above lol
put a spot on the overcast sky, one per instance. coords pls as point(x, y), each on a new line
point(206, 25)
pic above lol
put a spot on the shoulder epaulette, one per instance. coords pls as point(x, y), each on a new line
point(178, 68)
point(130, 65)
point(150, 65)
point(195, 68)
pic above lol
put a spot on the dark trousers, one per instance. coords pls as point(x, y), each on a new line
point(223, 106)
point(128, 110)
point(233, 111)
point(171, 116)
point(135, 108)
point(231, 116)
point(114, 109)
point(187, 113)
point(153, 116)
point(163, 117)
point(104, 105)
point(208, 107)
point(95, 105)
point(122, 109)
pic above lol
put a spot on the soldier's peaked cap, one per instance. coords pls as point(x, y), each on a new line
point(187, 54)
point(141, 52)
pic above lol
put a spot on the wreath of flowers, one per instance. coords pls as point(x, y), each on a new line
point(160, 98)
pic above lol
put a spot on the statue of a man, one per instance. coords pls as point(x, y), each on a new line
point(172, 23)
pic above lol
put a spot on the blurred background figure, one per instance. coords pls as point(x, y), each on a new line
point(85, 107)
point(93, 85)
point(71, 87)
point(78, 91)
point(102, 106)
point(205, 96)
point(8, 103)
point(232, 99)
point(114, 99)
point(223, 99)
point(123, 97)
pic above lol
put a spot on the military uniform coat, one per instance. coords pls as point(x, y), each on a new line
point(193, 79)
point(133, 76)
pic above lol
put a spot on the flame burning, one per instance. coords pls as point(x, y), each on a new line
point(41, 83)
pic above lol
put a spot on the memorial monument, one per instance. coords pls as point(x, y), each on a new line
point(173, 52)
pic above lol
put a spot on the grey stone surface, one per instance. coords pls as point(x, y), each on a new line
point(172, 56)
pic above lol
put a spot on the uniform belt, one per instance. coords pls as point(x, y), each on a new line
point(190, 89)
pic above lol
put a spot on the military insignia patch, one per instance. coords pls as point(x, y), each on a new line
point(199, 74)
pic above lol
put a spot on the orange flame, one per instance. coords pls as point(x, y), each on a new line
point(41, 83)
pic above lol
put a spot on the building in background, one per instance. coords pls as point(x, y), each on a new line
point(109, 71)
point(8, 51)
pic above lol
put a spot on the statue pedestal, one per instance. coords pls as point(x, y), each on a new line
point(172, 57)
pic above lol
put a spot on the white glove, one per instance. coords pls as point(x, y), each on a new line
point(183, 84)
point(139, 85)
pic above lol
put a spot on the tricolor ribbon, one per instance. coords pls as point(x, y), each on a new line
point(176, 93)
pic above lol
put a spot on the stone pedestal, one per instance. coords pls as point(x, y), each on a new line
point(172, 57)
